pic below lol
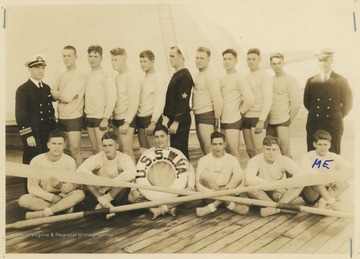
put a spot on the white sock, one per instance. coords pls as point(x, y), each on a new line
point(231, 205)
point(211, 207)
point(48, 212)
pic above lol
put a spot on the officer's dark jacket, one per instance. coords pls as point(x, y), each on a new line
point(33, 109)
point(327, 102)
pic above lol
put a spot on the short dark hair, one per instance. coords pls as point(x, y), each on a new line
point(276, 55)
point(147, 54)
point(217, 134)
point(230, 51)
point(56, 133)
point(110, 135)
point(161, 128)
point(321, 135)
point(118, 52)
point(204, 49)
point(71, 47)
point(177, 49)
point(269, 140)
point(95, 48)
point(254, 51)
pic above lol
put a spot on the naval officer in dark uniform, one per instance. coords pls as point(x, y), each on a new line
point(328, 98)
point(34, 112)
point(176, 114)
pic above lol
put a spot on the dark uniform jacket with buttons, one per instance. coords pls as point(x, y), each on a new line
point(34, 110)
point(328, 103)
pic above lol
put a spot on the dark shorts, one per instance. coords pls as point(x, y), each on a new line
point(205, 118)
point(93, 122)
point(249, 123)
point(283, 124)
point(68, 125)
point(235, 125)
point(143, 122)
point(118, 123)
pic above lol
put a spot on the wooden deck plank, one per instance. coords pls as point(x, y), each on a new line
point(159, 226)
point(324, 236)
point(302, 226)
point(331, 245)
point(142, 247)
point(306, 235)
point(274, 245)
point(216, 224)
point(224, 229)
point(272, 235)
point(171, 240)
point(198, 236)
point(241, 243)
point(251, 223)
point(344, 248)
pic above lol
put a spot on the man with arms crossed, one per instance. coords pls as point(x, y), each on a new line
point(270, 166)
point(219, 171)
point(69, 91)
point(100, 98)
point(255, 122)
point(321, 160)
point(152, 99)
point(50, 196)
point(128, 97)
point(113, 164)
point(238, 99)
point(285, 105)
point(176, 114)
point(207, 100)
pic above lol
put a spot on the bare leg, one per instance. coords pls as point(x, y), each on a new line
point(257, 140)
point(31, 202)
point(93, 140)
point(233, 139)
point(74, 138)
point(126, 143)
point(283, 134)
point(203, 132)
point(250, 146)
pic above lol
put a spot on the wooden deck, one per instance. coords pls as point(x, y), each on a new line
point(220, 232)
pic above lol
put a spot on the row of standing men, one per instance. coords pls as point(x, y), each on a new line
point(256, 103)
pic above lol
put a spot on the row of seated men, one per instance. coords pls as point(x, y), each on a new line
point(165, 166)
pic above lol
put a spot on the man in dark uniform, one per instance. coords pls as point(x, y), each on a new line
point(35, 115)
point(176, 115)
point(328, 98)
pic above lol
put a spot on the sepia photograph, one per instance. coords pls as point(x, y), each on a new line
point(180, 128)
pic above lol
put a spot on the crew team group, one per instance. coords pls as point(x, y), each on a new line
point(112, 111)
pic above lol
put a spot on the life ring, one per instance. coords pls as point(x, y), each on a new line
point(175, 165)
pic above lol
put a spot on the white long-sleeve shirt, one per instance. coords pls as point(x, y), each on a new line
point(262, 87)
point(41, 187)
point(258, 167)
point(121, 167)
point(222, 170)
point(152, 96)
point(286, 99)
point(128, 97)
point(206, 94)
point(70, 84)
point(100, 94)
point(237, 97)
point(330, 163)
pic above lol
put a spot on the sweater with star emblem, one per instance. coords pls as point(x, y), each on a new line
point(178, 95)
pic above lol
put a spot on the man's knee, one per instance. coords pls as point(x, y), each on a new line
point(74, 151)
point(24, 201)
point(77, 195)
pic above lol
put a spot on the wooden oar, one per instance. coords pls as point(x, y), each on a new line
point(191, 197)
point(27, 171)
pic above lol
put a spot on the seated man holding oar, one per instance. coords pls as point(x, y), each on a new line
point(50, 196)
point(162, 166)
point(109, 163)
point(323, 161)
point(219, 171)
point(270, 166)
